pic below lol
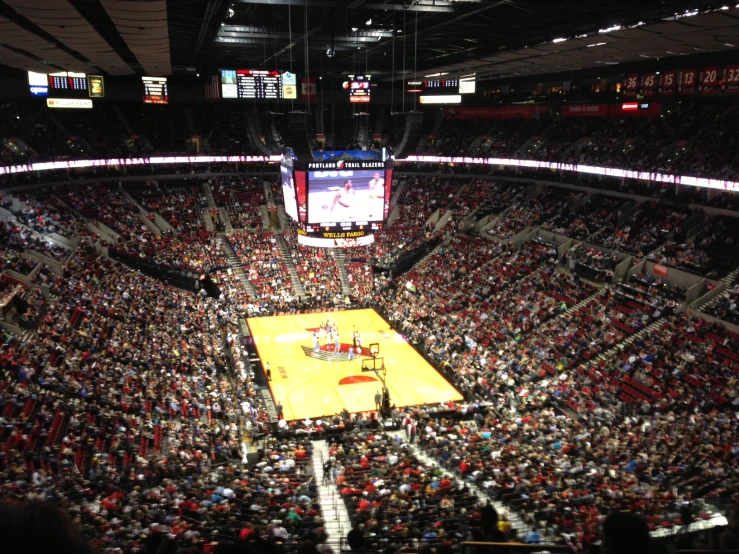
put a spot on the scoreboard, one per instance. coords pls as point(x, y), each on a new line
point(65, 84)
point(67, 80)
point(359, 88)
point(337, 203)
point(251, 84)
point(155, 90)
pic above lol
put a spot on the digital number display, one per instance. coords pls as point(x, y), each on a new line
point(251, 84)
point(441, 83)
point(359, 88)
point(67, 81)
point(155, 90)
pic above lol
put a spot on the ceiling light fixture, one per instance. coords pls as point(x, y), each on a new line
point(368, 22)
point(556, 40)
point(689, 13)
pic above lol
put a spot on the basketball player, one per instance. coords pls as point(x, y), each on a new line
point(344, 198)
point(376, 195)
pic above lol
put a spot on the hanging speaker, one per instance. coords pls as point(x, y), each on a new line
point(411, 136)
point(271, 135)
point(298, 135)
point(253, 130)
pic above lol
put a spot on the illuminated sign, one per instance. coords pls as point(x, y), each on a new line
point(95, 86)
point(84, 103)
point(38, 79)
point(112, 162)
point(39, 91)
point(467, 86)
point(289, 86)
point(703, 182)
point(442, 99)
point(321, 242)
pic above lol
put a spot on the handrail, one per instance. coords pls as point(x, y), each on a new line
point(716, 551)
point(516, 544)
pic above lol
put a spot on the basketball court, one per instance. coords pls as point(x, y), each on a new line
point(316, 383)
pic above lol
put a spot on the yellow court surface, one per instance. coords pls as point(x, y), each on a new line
point(307, 386)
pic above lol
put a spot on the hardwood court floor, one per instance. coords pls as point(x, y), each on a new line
point(310, 387)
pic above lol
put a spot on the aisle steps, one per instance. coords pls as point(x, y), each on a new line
point(522, 529)
point(209, 196)
point(205, 214)
point(288, 259)
point(336, 519)
point(340, 258)
point(235, 265)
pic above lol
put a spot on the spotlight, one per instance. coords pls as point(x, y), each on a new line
point(369, 21)
point(330, 52)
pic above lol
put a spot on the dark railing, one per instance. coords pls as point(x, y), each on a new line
point(483, 547)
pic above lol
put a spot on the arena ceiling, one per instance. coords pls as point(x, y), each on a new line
point(387, 38)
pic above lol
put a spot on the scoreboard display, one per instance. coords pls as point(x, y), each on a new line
point(155, 90)
point(344, 201)
point(251, 84)
point(65, 84)
point(441, 84)
point(67, 80)
point(359, 88)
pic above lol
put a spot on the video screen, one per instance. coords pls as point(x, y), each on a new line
point(302, 194)
point(288, 192)
point(346, 196)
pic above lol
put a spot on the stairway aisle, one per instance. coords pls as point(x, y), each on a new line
point(728, 282)
point(397, 193)
point(226, 220)
point(340, 258)
point(205, 214)
point(619, 347)
point(337, 523)
point(235, 265)
point(209, 196)
point(522, 529)
point(288, 259)
point(264, 211)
